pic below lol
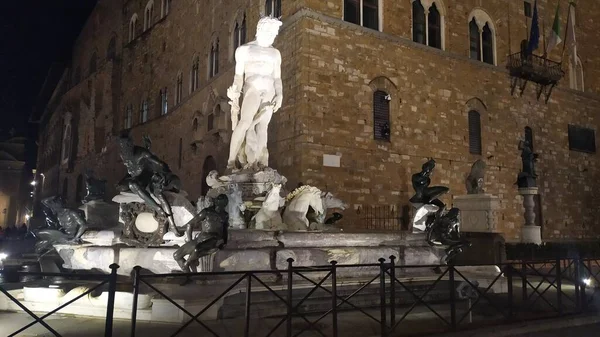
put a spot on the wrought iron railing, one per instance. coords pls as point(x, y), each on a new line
point(535, 68)
point(336, 300)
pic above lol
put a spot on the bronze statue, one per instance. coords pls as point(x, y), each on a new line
point(70, 221)
point(445, 231)
point(527, 176)
point(213, 221)
point(475, 180)
point(423, 193)
point(148, 177)
point(441, 227)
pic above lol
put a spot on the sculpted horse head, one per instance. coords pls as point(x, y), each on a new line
point(329, 201)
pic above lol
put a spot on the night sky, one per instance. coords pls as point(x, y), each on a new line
point(33, 35)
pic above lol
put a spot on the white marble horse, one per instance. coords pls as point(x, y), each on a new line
point(299, 201)
point(329, 202)
point(268, 217)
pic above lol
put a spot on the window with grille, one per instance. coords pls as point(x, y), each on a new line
point(529, 137)
point(582, 139)
point(381, 115)
point(362, 12)
point(474, 132)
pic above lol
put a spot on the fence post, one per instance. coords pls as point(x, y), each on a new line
point(509, 276)
point(524, 280)
point(452, 289)
point(290, 294)
point(248, 301)
point(577, 282)
point(392, 291)
point(136, 293)
point(559, 286)
point(334, 317)
point(110, 306)
point(382, 297)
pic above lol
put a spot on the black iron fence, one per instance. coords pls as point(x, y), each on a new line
point(109, 280)
point(382, 299)
point(384, 217)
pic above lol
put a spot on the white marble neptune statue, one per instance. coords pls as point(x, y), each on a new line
point(258, 79)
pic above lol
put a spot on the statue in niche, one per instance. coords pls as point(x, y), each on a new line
point(258, 77)
point(527, 176)
point(475, 179)
point(148, 177)
point(213, 222)
point(95, 188)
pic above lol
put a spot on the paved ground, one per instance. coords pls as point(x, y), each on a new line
point(592, 330)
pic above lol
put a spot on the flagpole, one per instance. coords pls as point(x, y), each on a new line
point(509, 42)
point(544, 36)
point(562, 55)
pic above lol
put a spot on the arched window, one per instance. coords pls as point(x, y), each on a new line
point(79, 189)
point(92, 65)
point(487, 44)
point(209, 165)
point(128, 117)
point(434, 27)
point(428, 22)
point(362, 12)
point(164, 103)
point(144, 112)
point(529, 137)
point(381, 115)
point(482, 44)
point(179, 92)
point(195, 124)
point(132, 27)
point(474, 41)
point(210, 122)
point(273, 8)
point(418, 22)
point(239, 34)
point(576, 74)
point(164, 8)
point(194, 75)
point(111, 50)
point(474, 132)
point(213, 64)
point(149, 15)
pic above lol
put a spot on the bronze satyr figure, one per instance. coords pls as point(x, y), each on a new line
point(148, 176)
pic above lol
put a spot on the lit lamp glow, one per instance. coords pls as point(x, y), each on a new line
point(3, 256)
point(33, 183)
point(587, 281)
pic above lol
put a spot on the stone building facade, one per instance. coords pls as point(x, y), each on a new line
point(372, 88)
point(14, 196)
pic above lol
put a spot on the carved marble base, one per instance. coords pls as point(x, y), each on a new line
point(531, 234)
point(478, 212)
point(100, 214)
point(245, 190)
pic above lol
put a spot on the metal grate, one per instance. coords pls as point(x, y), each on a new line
point(381, 115)
point(474, 132)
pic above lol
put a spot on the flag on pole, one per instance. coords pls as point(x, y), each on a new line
point(571, 42)
point(555, 38)
point(534, 36)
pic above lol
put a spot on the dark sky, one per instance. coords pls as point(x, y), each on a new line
point(33, 35)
